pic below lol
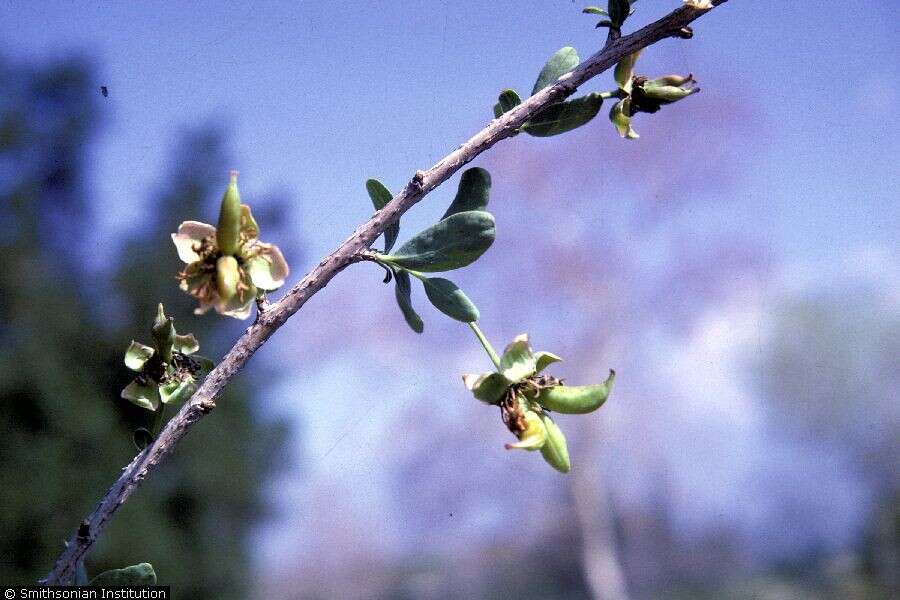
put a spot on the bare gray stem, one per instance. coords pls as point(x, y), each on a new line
point(204, 399)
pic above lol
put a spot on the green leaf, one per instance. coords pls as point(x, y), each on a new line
point(450, 244)
point(508, 100)
point(559, 64)
point(498, 111)
point(565, 116)
point(136, 355)
point(141, 574)
point(544, 359)
point(145, 396)
point(518, 361)
point(595, 10)
point(487, 387)
point(402, 291)
point(473, 193)
point(450, 300)
point(380, 196)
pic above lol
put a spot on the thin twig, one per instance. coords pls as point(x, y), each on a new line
point(204, 399)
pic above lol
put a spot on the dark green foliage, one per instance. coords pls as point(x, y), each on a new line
point(451, 243)
point(474, 192)
point(450, 300)
point(66, 432)
point(403, 291)
point(565, 116)
point(380, 196)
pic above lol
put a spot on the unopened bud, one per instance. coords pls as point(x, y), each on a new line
point(228, 231)
point(163, 334)
point(227, 277)
point(555, 451)
point(666, 94)
point(676, 80)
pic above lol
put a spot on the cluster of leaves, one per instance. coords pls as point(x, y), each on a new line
point(560, 117)
point(615, 14)
point(459, 238)
point(526, 398)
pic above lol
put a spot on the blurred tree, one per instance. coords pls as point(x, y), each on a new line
point(66, 433)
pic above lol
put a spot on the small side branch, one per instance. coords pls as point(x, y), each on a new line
point(351, 250)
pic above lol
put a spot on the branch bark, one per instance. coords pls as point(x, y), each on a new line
point(268, 322)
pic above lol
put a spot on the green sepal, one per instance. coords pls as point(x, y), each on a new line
point(450, 300)
point(141, 574)
point(228, 230)
point(248, 224)
point(403, 291)
point(186, 344)
point(488, 387)
point(508, 100)
point(576, 400)
point(380, 196)
point(473, 193)
point(565, 116)
point(555, 450)
point(137, 355)
point(518, 361)
point(563, 61)
point(543, 360)
point(177, 391)
point(450, 244)
point(145, 396)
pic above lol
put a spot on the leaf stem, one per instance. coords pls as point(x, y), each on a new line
point(617, 93)
point(157, 426)
point(486, 344)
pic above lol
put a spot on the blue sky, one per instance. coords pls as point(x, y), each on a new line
point(316, 97)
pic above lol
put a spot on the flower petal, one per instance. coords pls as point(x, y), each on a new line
point(186, 344)
point(145, 396)
point(267, 269)
point(248, 223)
point(189, 234)
point(544, 359)
point(136, 355)
point(535, 435)
point(487, 387)
point(518, 361)
point(177, 391)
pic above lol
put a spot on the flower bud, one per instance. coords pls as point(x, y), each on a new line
point(163, 334)
point(227, 277)
point(228, 231)
point(665, 94)
point(676, 80)
point(555, 451)
point(576, 400)
point(534, 436)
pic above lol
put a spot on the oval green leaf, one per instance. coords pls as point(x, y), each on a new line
point(402, 292)
point(473, 193)
point(450, 244)
point(508, 100)
point(450, 300)
point(380, 196)
point(559, 64)
point(565, 116)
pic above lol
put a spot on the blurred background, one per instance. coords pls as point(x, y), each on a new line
point(737, 266)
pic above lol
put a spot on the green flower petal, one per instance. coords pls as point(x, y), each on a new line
point(518, 361)
point(544, 359)
point(136, 355)
point(186, 344)
point(248, 224)
point(177, 391)
point(535, 435)
point(145, 396)
point(487, 387)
